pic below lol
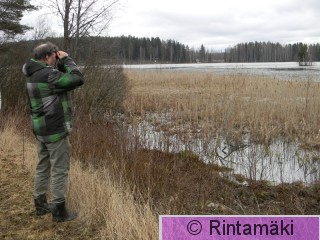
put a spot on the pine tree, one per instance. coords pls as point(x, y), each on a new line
point(303, 52)
point(11, 12)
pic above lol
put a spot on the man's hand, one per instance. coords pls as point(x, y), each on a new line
point(61, 54)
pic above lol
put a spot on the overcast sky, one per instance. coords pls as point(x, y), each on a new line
point(219, 23)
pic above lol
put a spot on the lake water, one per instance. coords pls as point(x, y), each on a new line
point(276, 70)
point(280, 162)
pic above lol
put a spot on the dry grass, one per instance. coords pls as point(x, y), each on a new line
point(229, 104)
point(107, 209)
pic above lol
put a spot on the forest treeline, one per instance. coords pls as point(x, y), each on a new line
point(134, 50)
point(272, 52)
point(147, 50)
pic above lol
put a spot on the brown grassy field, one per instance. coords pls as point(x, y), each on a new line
point(227, 105)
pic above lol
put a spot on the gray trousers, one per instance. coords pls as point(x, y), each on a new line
point(53, 169)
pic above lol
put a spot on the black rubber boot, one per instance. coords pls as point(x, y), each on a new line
point(41, 205)
point(60, 213)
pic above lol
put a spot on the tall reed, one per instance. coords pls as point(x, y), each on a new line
point(267, 107)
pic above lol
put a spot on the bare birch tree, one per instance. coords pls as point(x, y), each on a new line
point(42, 29)
point(83, 17)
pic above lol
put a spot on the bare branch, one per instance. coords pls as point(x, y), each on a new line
point(83, 17)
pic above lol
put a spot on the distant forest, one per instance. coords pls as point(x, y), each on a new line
point(150, 50)
point(134, 50)
point(272, 52)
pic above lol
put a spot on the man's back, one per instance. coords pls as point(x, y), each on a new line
point(48, 92)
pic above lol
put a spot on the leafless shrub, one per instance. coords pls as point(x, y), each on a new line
point(12, 89)
point(105, 90)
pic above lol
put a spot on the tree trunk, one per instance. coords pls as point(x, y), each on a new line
point(66, 34)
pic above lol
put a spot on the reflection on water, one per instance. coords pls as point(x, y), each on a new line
point(279, 162)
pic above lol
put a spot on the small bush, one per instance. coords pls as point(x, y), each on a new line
point(12, 89)
point(105, 90)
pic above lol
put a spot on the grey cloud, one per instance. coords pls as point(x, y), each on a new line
point(284, 23)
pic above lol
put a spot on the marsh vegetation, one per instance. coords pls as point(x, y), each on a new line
point(180, 143)
point(264, 128)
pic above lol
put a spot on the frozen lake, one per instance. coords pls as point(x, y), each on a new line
point(276, 70)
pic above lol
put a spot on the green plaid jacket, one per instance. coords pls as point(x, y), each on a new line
point(48, 91)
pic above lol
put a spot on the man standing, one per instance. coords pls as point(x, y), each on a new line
point(48, 89)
